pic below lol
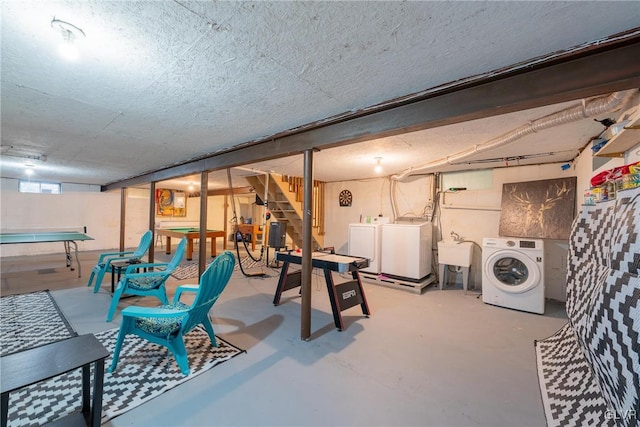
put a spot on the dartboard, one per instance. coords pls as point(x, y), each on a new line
point(345, 198)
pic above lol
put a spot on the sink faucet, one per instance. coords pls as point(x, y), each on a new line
point(456, 237)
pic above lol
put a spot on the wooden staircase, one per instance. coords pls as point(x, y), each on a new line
point(285, 196)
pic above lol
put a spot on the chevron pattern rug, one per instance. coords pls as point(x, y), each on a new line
point(570, 394)
point(145, 371)
point(29, 321)
point(189, 270)
point(590, 370)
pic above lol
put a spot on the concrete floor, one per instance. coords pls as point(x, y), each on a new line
point(437, 359)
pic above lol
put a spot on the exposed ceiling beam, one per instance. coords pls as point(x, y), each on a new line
point(593, 71)
point(225, 192)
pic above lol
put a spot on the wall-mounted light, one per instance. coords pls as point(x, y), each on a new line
point(70, 35)
point(378, 167)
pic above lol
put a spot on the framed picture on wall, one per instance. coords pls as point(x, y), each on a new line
point(179, 201)
point(538, 209)
point(171, 203)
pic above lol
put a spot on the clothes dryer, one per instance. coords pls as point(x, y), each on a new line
point(513, 273)
point(364, 241)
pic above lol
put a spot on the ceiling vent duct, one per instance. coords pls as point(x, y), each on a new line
point(586, 109)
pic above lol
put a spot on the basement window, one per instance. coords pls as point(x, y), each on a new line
point(38, 187)
point(469, 180)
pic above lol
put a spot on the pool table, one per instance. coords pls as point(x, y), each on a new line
point(190, 234)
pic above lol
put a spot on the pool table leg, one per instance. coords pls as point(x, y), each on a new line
point(168, 251)
point(189, 249)
point(213, 247)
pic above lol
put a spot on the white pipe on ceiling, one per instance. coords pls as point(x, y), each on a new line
point(586, 109)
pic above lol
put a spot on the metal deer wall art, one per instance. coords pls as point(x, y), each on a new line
point(538, 209)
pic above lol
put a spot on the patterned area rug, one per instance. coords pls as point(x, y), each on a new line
point(570, 394)
point(143, 372)
point(189, 269)
point(31, 320)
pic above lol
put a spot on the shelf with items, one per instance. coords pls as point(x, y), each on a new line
point(622, 136)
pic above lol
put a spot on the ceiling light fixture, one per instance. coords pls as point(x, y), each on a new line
point(378, 168)
point(70, 33)
point(23, 152)
point(29, 169)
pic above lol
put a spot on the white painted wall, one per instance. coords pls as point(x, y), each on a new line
point(82, 206)
point(215, 213)
point(370, 198)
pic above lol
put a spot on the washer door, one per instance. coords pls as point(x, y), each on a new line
point(512, 271)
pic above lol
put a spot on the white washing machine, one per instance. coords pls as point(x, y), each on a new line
point(406, 250)
point(513, 273)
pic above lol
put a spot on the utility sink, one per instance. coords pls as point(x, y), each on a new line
point(451, 252)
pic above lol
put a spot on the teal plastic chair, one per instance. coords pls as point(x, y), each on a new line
point(149, 283)
point(168, 324)
point(104, 262)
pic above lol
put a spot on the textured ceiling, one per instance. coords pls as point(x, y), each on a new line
point(161, 82)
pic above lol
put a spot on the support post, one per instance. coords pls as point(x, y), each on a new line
point(226, 219)
point(123, 215)
point(152, 220)
point(202, 249)
point(307, 267)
